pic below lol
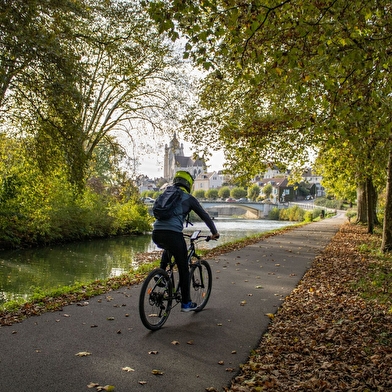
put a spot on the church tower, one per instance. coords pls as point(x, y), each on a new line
point(175, 160)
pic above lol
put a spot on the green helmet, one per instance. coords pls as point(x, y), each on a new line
point(184, 179)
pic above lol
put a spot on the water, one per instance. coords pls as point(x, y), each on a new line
point(24, 271)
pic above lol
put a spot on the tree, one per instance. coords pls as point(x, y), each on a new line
point(76, 84)
point(238, 192)
point(212, 194)
point(386, 245)
point(199, 193)
point(224, 192)
point(285, 76)
point(30, 44)
point(253, 192)
point(267, 191)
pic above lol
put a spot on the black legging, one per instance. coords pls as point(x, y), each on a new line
point(174, 243)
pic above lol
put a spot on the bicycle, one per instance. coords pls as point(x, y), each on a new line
point(161, 292)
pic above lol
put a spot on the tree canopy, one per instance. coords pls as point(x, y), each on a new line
point(75, 74)
point(288, 76)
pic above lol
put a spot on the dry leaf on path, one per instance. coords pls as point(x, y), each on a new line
point(83, 354)
point(127, 369)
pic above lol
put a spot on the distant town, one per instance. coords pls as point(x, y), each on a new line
point(282, 191)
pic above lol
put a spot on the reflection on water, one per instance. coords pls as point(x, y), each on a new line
point(23, 271)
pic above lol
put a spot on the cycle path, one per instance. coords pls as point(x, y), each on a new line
point(193, 351)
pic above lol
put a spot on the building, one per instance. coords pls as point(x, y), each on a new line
point(208, 181)
point(175, 160)
point(314, 181)
point(281, 190)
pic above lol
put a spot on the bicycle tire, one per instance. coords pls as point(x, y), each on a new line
point(200, 280)
point(155, 299)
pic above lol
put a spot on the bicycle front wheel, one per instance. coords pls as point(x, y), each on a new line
point(155, 299)
point(200, 283)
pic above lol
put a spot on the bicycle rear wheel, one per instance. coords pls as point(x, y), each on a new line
point(155, 299)
point(200, 277)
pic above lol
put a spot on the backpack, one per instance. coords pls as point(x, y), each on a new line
point(168, 203)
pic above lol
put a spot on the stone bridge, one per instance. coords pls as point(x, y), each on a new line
point(250, 210)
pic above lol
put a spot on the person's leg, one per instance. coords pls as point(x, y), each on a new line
point(179, 251)
point(166, 256)
point(174, 243)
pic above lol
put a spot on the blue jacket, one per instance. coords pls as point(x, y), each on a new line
point(176, 222)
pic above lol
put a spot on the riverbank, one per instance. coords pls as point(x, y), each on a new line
point(54, 299)
point(334, 332)
point(33, 273)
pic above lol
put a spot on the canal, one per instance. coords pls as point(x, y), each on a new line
point(24, 271)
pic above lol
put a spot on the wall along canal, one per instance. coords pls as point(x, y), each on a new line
point(24, 271)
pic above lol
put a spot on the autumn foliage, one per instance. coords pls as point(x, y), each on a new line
point(326, 336)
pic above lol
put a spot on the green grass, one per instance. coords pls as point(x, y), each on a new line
point(376, 285)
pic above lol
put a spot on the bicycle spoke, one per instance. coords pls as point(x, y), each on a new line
point(155, 299)
point(200, 283)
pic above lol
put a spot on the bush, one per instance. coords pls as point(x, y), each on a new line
point(199, 194)
point(212, 194)
point(308, 217)
point(328, 203)
point(291, 214)
point(274, 214)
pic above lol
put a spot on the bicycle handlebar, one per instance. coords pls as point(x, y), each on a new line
point(196, 236)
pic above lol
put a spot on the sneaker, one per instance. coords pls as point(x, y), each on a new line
point(160, 281)
point(188, 307)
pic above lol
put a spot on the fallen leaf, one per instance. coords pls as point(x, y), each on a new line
point(83, 354)
point(270, 315)
point(108, 388)
point(142, 382)
point(175, 342)
point(127, 369)
point(157, 372)
point(243, 303)
point(92, 385)
point(190, 342)
point(153, 352)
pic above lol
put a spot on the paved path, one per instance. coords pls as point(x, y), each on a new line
point(39, 354)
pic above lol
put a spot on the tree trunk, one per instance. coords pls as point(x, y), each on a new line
point(386, 245)
point(370, 195)
point(362, 204)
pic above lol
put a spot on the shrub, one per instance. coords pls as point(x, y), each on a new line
point(291, 214)
point(274, 214)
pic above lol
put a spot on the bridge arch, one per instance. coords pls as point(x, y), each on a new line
point(251, 210)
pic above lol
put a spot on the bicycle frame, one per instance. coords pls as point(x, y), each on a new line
point(176, 294)
point(160, 291)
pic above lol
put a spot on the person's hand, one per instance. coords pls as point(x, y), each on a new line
point(215, 236)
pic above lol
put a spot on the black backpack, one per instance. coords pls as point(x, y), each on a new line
point(168, 203)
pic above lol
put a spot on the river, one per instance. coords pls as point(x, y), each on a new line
point(24, 271)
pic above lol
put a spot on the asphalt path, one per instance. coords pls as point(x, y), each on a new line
point(102, 342)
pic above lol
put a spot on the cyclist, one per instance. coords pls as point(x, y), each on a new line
point(167, 235)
